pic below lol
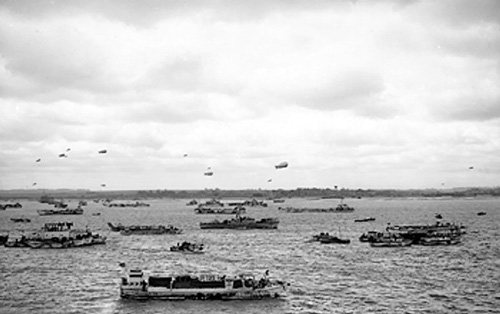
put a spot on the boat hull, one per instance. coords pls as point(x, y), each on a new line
point(242, 224)
point(439, 241)
point(364, 219)
point(334, 241)
point(391, 244)
point(201, 294)
point(148, 232)
point(51, 212)
point(238, 226)
point(217, 211)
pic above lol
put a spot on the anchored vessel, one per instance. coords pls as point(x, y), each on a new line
point(250, 203)
point(364, 219)
point(47, 212)
point(241, 223)
point(188, 248)
point(136, 285)
point(57, 235)
point(340, 208)
point(326, 238)
point(144, 229)
point(227, 211)
point(429, 234)
point(136, 204)
point(20, 219)
point(5, 206)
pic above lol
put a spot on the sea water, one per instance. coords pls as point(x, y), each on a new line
point(324, 278)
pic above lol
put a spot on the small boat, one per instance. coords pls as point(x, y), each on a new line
point(278, 200)
point(241, 223)
point(5, 206)
point(116, 228)
point(143, 229)
point(329, 239)
point(46, 199)
point(481, 213)
point(439, 216)
point(15, 241)
point(370, 236)
point(364, 219)
point(136, 204)
point(317, 237)
point(58, 204)
point(188, 248)
point(221, 211)
point(250, 203)
point(326, 238)
point(281, 165)
point(344, 208)
point(135, 284)
point(149, 230)
point(211, 203)
point(20, 220)
point(96, 214)
point(48, 212)
point(340, 208)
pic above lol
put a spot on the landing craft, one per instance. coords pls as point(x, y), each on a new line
point(63, 155)
point(39, 159)
point(103, 185)
point(185, 155)
point(470, 168)
point(270, 180)
point(281, 165)
point(103, 151)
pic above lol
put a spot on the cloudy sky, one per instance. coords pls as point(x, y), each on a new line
point(354, 94)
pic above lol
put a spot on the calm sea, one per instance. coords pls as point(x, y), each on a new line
point(354, 278)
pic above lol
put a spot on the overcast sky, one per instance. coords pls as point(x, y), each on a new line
point(354, 94)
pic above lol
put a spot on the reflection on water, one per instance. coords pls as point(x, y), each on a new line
point(354, 278)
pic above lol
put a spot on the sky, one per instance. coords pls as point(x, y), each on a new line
point(353, 94)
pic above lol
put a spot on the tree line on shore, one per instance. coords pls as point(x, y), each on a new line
point(251, 193)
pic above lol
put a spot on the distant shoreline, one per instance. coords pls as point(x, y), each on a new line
point(250, 193)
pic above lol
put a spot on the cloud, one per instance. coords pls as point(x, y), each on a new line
point(473, 108)
point(147, 13)
point(457, 13)
point(345, 91)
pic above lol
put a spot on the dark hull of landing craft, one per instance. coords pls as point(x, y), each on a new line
point(333, 240)
point(364, 219)
point(49, 212)
point(202, 294)
point(272, 224)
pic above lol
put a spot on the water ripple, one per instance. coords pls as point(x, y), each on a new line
point(352, 278)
